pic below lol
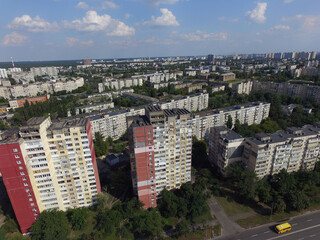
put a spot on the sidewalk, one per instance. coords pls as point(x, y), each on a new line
point(229, 227)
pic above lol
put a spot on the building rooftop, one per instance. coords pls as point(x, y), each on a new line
point(35, 121)
point(282, 136)
point(175, 112)
point(228, 134)
point(68, 123)
point(139, 121)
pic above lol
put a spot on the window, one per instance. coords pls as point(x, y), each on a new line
point(149, 132)
point(16, 156)
point(24, 179)
point(31, 204)
point(30, 199)
point(150, 153)
point(20, 167)
point(18, 162)
point(22, 173)
point(15, 150)
point(26, 184)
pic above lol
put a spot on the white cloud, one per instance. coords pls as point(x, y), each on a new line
point(82, 5)
point(127, 16)
point(71, 42)
point(309, 23)
point(36, 24)
point(287, 1)
point(200, 36)
point(93, 22)
point(158, 2)
point(167, 19)
point(281, 27)
point(14, 39)
point(108, 5)
point(257, 14)
point(222, 18)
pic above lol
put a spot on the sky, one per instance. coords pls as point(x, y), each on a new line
point(76, 29)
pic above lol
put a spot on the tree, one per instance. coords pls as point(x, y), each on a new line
point(237, 126)
point(51, 225)
point(297, 200)
point(168, 204)
point(78, 218)
point(199, 153)
point(182, 228)
point(101, 146)
point(279, 205)
point(73, 111)
point(147, 224)
point(264, 191)
point(229, 122)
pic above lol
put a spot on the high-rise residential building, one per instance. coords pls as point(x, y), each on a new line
point(210, 58)
point(49, 165)
point(86, 62)
point(160, 151)
point(44, 71)
point(3, 73)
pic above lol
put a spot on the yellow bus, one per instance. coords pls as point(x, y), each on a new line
point(284, 227)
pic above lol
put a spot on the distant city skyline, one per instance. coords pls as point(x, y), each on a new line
point(97, 29)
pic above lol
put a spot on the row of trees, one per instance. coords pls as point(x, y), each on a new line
point(282, 192)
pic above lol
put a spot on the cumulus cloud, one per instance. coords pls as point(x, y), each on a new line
point(257, 14)
point(14, 39)
point(108, 5)
point(167, 19)
point(200, 36)
point(82, 5)
point(158, 2)
point(94, 22)
point(281, 27)
point(71, 42)
point(36, 24)
point(309, 23)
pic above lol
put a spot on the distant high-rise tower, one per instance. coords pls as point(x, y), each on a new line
point(211, 58)
point(160, 151)
point(48, 165)
point(86, 62)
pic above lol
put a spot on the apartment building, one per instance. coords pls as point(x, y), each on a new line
point(160, 144)
point(227, 76)
point(299, 90)
point(3, 73)
point(250, 113)
point(113, 124)
point(49, 165)
point(44, 71)
point(267, 154)
point(192, 103)
point(16, 103)
point(242, 87)
point(31, 90)
point(225, 147)
point(293, 149)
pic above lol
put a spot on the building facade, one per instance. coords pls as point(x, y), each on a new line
point(267, 154)
point(250, 113)
point(160, 146)
point(49, 165)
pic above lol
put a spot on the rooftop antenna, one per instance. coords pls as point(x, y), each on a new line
point(12, 62)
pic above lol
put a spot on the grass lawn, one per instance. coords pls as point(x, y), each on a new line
point(198, 235)
point(259, 219)
point(231, 207)
point(217, 230)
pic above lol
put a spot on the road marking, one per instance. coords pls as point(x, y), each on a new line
point(301, 230)
point(266, 231)
point(254, 235)
point(309, 220)
point(313, 235)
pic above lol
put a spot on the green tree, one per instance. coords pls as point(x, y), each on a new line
point(51, 225)
point(168, 204)
point(264, 191)
point(78, 218)
point(73, 111)
point(279, 205)
point(182, 228)
point(297, 200)
point(147, 224)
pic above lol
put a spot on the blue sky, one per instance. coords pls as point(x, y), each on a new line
point(70, 29)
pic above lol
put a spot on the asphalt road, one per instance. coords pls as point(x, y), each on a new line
point(303, 227)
